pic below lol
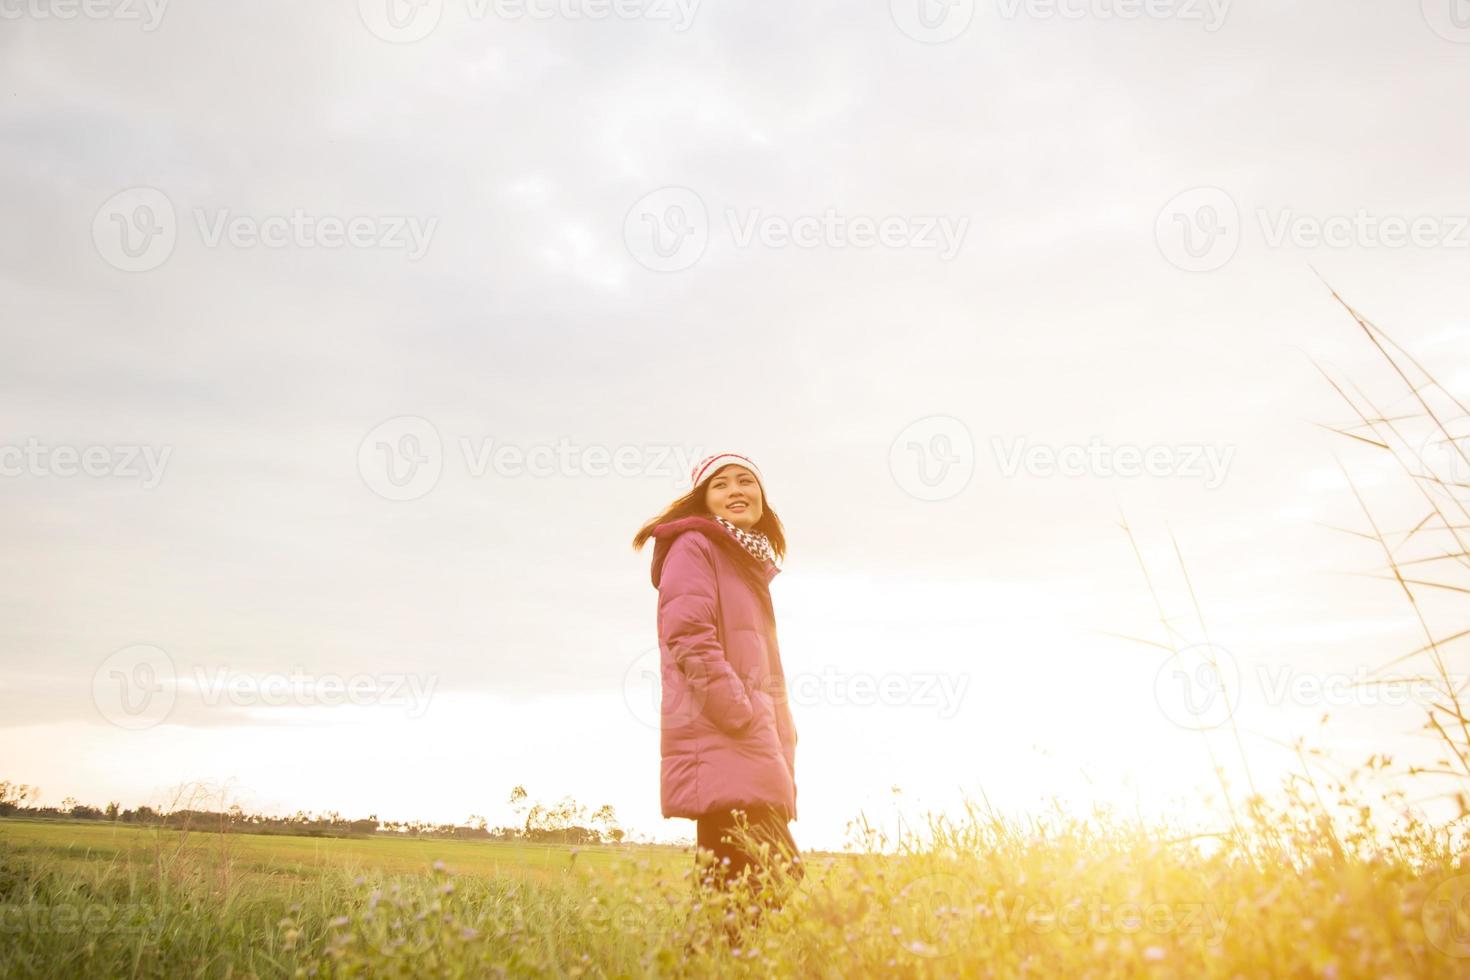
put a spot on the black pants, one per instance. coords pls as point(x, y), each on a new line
point(764, 822)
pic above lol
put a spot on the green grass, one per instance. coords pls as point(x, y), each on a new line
point(1295, 892)
point(68, 843)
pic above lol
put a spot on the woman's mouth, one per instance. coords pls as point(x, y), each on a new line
point(736, 508)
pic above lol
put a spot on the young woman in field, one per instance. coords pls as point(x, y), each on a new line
point(728, 740)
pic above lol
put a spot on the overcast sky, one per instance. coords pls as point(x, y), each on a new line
point(354, 342)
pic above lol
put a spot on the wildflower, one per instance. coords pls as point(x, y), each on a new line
point(1153, 953)
point(340, 920)
point(469, 932)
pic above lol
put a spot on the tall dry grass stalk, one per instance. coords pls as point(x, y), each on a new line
point(1429, 444)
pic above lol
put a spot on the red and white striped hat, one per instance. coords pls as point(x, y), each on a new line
point(708, 466)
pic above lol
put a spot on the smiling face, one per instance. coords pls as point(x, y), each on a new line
point(735, 494)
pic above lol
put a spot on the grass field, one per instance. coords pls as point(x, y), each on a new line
point(68, 844)
point(1291, 893)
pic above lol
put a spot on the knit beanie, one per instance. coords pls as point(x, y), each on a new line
point(708, 466)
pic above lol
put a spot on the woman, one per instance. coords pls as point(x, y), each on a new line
point(728, 740)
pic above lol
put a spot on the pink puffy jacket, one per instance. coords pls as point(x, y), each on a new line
point(728, 738)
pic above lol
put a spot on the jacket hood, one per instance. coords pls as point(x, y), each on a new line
point(664, 535)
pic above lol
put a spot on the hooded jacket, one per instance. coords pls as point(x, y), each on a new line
point(727, 736)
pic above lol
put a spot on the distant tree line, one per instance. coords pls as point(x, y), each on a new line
point(567, 821)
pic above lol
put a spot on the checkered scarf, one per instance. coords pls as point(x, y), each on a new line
point(754, 542)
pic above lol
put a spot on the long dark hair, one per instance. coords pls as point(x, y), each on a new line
point(692, 505)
